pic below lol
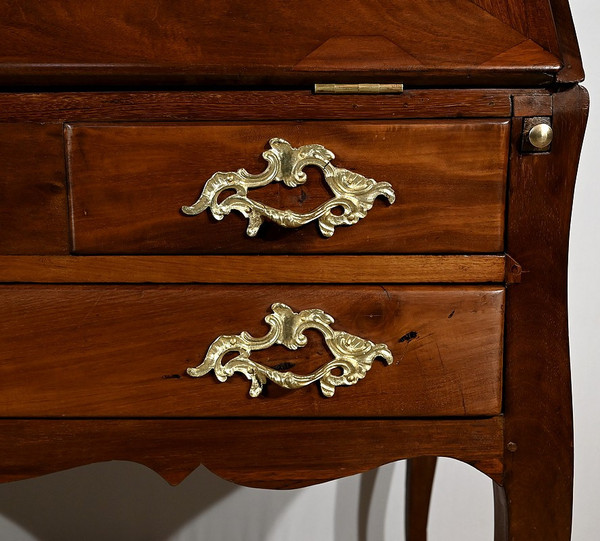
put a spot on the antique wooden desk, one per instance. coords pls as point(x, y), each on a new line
point(229, 238)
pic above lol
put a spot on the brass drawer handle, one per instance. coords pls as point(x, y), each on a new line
point(353, 193)
point(353, 356)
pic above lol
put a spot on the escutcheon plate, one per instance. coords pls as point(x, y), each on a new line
point(354, 194)
point(352, 356)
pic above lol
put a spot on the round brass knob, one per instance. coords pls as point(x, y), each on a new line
point(540, 136)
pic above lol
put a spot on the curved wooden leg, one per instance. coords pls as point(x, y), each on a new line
point(530, 514)
point(419, 482)
point(534, 503)
point(526, 509)
point(500, 513)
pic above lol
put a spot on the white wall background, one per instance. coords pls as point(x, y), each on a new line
point(120, 501)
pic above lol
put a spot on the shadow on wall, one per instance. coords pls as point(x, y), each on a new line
point(115, 500)
point(120, 500)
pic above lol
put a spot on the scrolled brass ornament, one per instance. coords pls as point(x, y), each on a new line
point(353, 193)
point(352, 356)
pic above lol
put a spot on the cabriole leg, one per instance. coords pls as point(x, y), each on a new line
point(419, 482)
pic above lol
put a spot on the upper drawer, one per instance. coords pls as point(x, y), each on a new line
point(129, 182)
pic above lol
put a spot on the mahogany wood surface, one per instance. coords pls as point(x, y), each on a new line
point(252, 105)
point(273, 453)
point(122, 351)
point(572, 70)
point(107, 298)
point(129, 181)
point(132, 42)
point(255, 269)
point(532, 104)
point(420, 472)
point(532, 18)
point(535, 499)
point(33, 197)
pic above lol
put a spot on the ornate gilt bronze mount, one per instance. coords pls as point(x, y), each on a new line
point(352, 356)
point(354, 194)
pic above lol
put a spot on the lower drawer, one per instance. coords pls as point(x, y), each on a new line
point(123, 351)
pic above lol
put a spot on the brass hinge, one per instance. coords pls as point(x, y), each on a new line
point(359, 88)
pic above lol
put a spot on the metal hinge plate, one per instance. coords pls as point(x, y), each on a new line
point(359, 88)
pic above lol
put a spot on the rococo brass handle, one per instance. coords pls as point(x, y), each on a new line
point(353, 193)
point(352, 356)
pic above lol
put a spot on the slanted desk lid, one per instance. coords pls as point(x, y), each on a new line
point(286, 43)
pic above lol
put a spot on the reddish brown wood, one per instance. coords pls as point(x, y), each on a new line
point(33, 204)
point(273, 453)
point(122, 351)
point(572, 70)
point(532, 104)
point(533, 19)
point(250, 105)
point(89, 352)
point(419, 482)
point(535, 502)
point(128, 183)
point(548, 23)
point(118, 42)
point(255, 269)
point(514, 271)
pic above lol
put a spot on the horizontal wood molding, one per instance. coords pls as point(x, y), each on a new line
point(283, 453)
point(249, 105)
point(254, 269)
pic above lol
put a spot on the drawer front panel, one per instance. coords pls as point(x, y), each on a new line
point(129, 182)
point(33, 195)
point(123, 351)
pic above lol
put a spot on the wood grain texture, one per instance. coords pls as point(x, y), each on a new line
point(118, 42)
point(536, 56)
point(253, 269)
point(122, 351)
point(532, 19)
point(536, 498)
point(128, 183)
point(572, 70)
point(274, 453)
point(250, 105)
point(33, 201)
point(420, 472)
point(532, 104)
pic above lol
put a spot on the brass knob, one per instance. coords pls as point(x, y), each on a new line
point(540, 136)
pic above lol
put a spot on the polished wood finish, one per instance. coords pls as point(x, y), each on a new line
point(532, 104)
point(129, 42)
point(536, 498)
point(132, 107)
point(122, 351)
point(33, 195)
point(129, 181)
point(572, 67)
point(532, 19)
point(251, 105)
point(306, 451)
point(419, 483)
point(255, 269)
